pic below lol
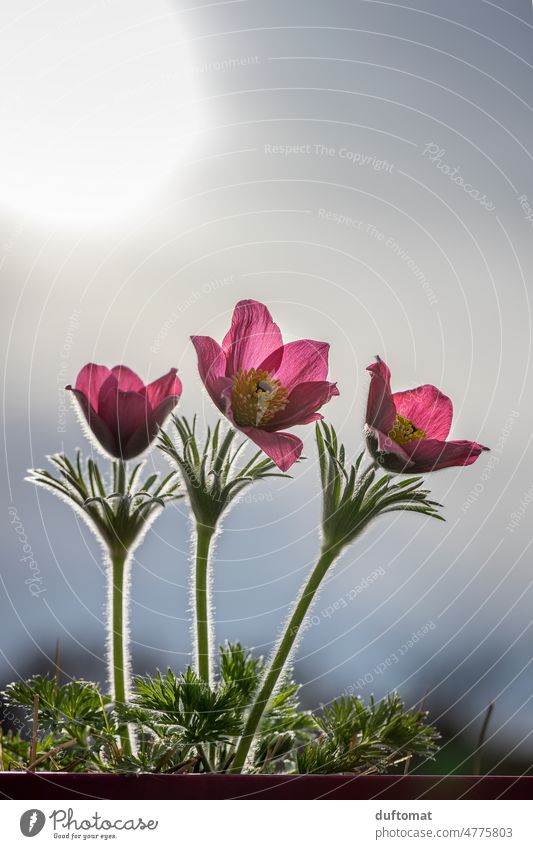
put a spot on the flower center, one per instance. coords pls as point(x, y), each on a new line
point(256, 397)
point(404, 430)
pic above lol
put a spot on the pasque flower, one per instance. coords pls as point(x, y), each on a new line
point(262, 385)
point(406, 431)
point(123, 414)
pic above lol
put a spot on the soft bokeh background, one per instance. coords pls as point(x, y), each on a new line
point(160, 161)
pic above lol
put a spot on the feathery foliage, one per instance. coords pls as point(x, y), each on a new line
point(357, 738)
point(352, 499)
point(118, 512)
point(77, 728)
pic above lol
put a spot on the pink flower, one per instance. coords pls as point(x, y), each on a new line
point(262, 385)
point(406, 431)
point(123, 414)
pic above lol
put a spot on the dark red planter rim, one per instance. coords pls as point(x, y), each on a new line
point(379, 787)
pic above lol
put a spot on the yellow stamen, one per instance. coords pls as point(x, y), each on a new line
point(256, 397)
point(404, 430)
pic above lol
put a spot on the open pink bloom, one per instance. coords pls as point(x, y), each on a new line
point(406, 431)
point(123, 414)
point(262, 385)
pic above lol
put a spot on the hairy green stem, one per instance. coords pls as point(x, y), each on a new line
point(204, 535)
point(279, 660)
point(118, 666)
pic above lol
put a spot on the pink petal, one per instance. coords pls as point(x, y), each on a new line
point(380, 409)
point(163, 410)
point(211, 360)
point(220, 391)
point(127, 380)
point(427, 408)
point(298, 362)
point(212, 368)
point(90, 381)
point(429, 455)
point(304, 402)
point(252, 337)
point(162, 388)
point(283, 448)
point(97, 426)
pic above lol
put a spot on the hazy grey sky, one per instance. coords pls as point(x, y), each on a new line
point(365, 169)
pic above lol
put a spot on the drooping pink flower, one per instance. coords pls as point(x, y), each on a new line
point(406, 431)
point(262, 385)
point(123, 414)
